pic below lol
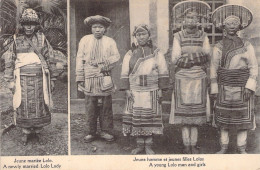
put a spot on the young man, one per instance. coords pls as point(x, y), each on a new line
point(97, 55)
point(190, 56)
point(28, 71)
point(233, 75)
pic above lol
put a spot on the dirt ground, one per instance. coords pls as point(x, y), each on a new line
point(54, 136)
point(169, 143)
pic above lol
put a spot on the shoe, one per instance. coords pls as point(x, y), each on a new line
point(25, 139)
point(242, 149)
point(148, 146)
point(148, 150)
point(89, 138)
point(106, 136)
point(37, 136)
point(140, 146)
point(223, 149)
point(194, 150)
point(187, 150)
point(137, 150)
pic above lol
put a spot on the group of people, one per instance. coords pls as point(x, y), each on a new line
point(145, 74)
point(233, 72)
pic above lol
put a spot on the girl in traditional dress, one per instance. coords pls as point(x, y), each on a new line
point(144, 75)
point(28, 72)
point(233, 73)
point(190, 55)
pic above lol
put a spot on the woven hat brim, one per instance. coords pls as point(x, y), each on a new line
point(97, 19)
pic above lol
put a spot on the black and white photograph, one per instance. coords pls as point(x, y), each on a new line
point(130, 84)
point(164, 77)
point(33, 89)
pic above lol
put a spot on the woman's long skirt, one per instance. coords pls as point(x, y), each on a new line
point(190, 100)
point(143, 115)
point(32, 112)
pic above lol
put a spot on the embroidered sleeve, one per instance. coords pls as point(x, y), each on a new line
point(253, 68)
point(124, 79)
point(47, 52)
point(113, 58)
point(208, 52)
point(206, 46)
point(215, 61)
point(176, 49)
point(79, 61)
point(9, 57)
point(163, 72)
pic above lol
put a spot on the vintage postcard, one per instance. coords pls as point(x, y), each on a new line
point(34, 90)
point(130, 84)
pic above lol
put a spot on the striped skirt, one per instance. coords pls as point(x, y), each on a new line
point(143, 115)
point(232, 110)
point(33, 111)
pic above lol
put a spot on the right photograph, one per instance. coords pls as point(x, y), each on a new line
point(164, 77)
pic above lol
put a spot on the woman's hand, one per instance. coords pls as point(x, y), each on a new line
point(129, 95)
point(11, 87)
point(160, 97)
point(81, 83)
point(52, 85)
point(247, 94)
point(214, 96)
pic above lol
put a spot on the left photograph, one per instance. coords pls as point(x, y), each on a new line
point(33, 73)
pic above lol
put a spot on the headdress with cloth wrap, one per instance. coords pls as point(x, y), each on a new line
point(97, 19)
point(230, 12)
point(182, 8)
point(141, 28)
point(29, 16)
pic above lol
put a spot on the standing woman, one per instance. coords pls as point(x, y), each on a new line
point(144, 75)
point(233, 74)
point(29, 74)
point(190, 55)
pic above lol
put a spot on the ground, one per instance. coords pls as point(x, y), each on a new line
point(169, 143)
point(54, 136)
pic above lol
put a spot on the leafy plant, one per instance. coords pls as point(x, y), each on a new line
point(52, 14)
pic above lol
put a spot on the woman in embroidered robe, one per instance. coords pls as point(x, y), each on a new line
point(233, 75)
point(144, 75)
point(27, 70)
point(97, 56)
point(190, 101)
